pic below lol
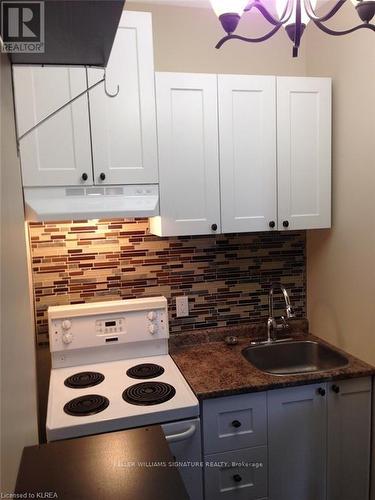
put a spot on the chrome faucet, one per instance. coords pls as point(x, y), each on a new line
point(272, 325)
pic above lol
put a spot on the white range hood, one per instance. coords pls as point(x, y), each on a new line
point(70, 203)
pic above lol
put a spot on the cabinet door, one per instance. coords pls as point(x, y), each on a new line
point(247, 128)
point(349, 438)
point(297, 443)
point(124, 127)
point(304, 152)
point(58, 151)
point(188, 154)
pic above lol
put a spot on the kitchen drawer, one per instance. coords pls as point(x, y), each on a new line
point(234, 422)
point(237, 475)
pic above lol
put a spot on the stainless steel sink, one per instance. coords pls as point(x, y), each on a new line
point(294, 356)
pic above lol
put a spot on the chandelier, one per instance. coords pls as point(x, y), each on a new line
point(292, 14)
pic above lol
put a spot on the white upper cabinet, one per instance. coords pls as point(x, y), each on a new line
point(124, 127)
point(188, 154)
point(304, 152)
point(275, 153)
point(57, 152)
point(247, 130)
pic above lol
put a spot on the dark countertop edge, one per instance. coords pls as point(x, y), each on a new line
point(347, 372)
point(272, 386)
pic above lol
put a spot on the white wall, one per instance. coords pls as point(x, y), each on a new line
point(341, 261)
point(18, 377)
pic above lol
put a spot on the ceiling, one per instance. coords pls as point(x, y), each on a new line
point(181, 3)
point(198, 3)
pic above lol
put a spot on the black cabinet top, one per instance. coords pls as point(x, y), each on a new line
point(66, 32)
point(130, 465)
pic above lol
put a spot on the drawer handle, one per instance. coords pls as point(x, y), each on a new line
point(321, 391)
point(336, 388)
point(237, 478)
point(236, 423)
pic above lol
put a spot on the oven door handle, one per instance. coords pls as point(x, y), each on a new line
point(173, 438)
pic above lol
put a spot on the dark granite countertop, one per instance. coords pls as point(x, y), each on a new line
point(214, 369)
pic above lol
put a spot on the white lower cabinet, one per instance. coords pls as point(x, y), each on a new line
point(235, 422)
point(319, 441)
point(235, 447)
point(297, 443)
point(310, 442)
point(349, 429)
point(239, 474)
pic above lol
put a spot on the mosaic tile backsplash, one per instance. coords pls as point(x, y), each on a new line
point(225, 276)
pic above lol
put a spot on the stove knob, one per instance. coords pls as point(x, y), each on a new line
point(153, 329)
point(67, 338)
point(66, 324)
point(151, 315)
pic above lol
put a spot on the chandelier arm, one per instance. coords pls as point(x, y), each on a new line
point(298, 33)
point(310, 11)
point(270, 18)
point(329, 31)
point(250, 40)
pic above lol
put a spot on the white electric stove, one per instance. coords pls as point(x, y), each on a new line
point(111, 370)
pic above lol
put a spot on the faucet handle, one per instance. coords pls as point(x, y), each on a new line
point(290, 312)
point(284, 325)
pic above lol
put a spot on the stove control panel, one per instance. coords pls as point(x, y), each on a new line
point(108, 325)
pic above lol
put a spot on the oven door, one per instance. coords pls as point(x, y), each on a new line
point(184, 439)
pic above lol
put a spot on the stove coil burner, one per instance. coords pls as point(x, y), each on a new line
point(84, 379)
point(145, 370)
point(83, 406)
point(148, 393)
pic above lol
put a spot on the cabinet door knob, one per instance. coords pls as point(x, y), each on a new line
point(214, 227)
point(237, 478)
point(84, 176)
point(102, 176)
point(236, 423)
point(272, 224)
point(321, 391)
point(336, 388)
point(286, 223)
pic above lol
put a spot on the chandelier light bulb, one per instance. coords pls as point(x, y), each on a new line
point(281, 4)
point(221, 7)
